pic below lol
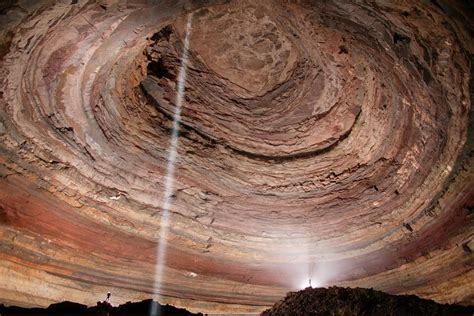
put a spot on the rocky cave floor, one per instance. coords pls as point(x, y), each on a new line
point(359, 301)
point(101, 309)
point(310, 301)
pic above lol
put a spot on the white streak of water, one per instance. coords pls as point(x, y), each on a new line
point(169, 180)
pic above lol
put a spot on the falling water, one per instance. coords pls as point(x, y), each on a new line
point(169, 180)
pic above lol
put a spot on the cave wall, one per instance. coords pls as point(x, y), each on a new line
point(322, 139)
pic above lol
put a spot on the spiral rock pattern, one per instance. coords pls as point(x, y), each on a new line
point(329, 139)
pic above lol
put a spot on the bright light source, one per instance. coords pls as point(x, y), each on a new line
point(306, 283)
point(191, 274)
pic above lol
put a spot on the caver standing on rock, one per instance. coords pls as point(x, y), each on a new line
point(107, 300)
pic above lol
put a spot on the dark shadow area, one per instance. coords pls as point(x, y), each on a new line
point(338, 301)
point(101, 309)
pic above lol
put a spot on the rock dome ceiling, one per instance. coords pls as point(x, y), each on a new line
point(330, 140)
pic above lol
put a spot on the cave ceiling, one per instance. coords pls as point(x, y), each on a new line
point(330, 140)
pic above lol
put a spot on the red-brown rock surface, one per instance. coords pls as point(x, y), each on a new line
point(322, 139)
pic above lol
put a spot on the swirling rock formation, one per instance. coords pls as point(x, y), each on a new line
point(330, 140)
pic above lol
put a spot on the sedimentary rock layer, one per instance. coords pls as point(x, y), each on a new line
point(330, 140)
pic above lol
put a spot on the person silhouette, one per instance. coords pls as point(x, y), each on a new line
point(310, 282)
point(107, 300)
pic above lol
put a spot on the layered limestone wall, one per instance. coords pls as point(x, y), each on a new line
point(330, 140)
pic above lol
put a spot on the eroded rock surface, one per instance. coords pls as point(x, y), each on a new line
point(322, 139)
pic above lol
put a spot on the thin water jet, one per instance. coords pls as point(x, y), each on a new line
point(169, 180)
